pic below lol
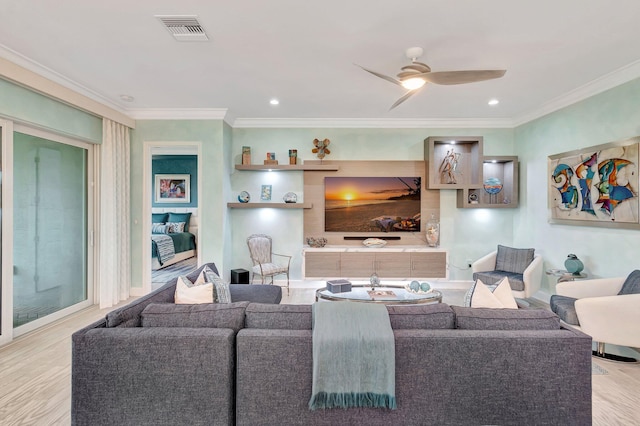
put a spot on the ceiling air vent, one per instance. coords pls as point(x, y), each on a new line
point(184, 27)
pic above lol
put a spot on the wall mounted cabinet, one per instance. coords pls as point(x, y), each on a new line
point(500, 185)
point(396, 262)
point(454, 162)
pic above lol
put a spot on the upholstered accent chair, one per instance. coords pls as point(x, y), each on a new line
point(260, 250)
point(607, 309)
point(522, 266)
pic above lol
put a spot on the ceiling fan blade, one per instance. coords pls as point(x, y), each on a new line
point(384, 77)
point(405, 97)
point(461, 77)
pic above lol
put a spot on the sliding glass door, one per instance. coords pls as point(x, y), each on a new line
point(51, 228)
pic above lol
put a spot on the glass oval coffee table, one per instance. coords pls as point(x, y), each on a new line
point(388, 294)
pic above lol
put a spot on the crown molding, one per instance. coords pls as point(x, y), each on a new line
point(178, 113)
point(608, 81)
point(29, 73)
point(374, 123)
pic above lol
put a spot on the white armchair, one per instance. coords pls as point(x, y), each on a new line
point(531, 276)
point(260, 250)
point(602, 313)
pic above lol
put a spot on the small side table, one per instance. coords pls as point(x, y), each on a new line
point(564, 275)
point(239, 276)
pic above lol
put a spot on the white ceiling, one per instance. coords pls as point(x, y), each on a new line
point(303, 53)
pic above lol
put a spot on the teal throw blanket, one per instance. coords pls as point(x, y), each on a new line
point(353, 356)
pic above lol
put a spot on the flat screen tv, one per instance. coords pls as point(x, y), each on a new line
point(372, 204)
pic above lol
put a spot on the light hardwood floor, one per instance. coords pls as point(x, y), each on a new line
point(35, 375)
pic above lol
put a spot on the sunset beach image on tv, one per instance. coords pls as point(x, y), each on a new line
point(372, 204)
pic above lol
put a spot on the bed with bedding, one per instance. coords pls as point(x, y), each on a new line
point(171, 241)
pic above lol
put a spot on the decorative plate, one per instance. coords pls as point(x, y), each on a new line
point(374, 242)
point(492, 185)
point(290, 197)
point(244, 197)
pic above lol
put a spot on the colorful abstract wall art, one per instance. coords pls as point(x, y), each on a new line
point(596, 186)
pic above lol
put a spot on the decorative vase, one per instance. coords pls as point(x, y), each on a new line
point(573, 264)
point(433, 231)
point(374, 280)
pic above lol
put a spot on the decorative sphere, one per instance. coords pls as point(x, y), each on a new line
point(414, 286)
point(244, 197)
point(425, 287)
point(492, 185)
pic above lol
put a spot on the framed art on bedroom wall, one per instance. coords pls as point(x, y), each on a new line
point(596, 186)
point(172, 188)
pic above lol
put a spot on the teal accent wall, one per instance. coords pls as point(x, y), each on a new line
point(23, 105)
point(176, 164)
point(211, 205)
point(609, 116)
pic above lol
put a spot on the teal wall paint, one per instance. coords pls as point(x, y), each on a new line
point(211, 206)
point(176, 164)
point(23, 105)
point(610, 116)
point(465, 233)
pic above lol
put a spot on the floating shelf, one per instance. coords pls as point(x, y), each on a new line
point(287, 167)
point(269, 205)
point(505, 169)
point(466, 168)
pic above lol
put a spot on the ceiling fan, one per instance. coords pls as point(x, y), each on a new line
point(414, 77)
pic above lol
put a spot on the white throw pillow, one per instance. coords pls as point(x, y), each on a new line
point(189, 294)
point(500, 297)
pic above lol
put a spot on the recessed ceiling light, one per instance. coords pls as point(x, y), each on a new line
point(274, 101)
point(493, 102)
point(494, 161)
point(127, 98)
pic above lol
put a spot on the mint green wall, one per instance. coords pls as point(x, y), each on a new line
point(23, 105)
point(227, 135)
point(610, 116)
point(211, 208)
point(465, 233)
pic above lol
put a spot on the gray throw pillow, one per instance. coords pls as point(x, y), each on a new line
point(631, 284)
point(511, 259)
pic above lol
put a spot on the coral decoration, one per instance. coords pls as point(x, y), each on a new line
point(321, 148)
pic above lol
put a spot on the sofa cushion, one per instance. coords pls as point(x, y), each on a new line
point(431, 316)
point(257, 293)
point(221, 287)
point(505, 319)
point(565, 308)
point(210, 315)
point(279, 317)
point(511, 259)
point(631, 284)
point(492, 277)
point(298, 317)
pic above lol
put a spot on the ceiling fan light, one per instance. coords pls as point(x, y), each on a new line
point(413, 83)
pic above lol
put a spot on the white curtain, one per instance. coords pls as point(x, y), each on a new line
point(114, 248)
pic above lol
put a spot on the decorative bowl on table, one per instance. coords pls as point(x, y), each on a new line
point(374, 243)
point(316, 241)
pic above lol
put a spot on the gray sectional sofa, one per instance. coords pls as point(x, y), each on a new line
point(246, 363)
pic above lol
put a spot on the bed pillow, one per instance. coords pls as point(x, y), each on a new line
point(159, 228)
point(159, 217)
point(180, 217)
point(176, 227)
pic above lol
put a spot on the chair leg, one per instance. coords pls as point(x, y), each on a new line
point(601, 353)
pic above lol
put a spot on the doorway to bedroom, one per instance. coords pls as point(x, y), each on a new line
point(173, 181)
